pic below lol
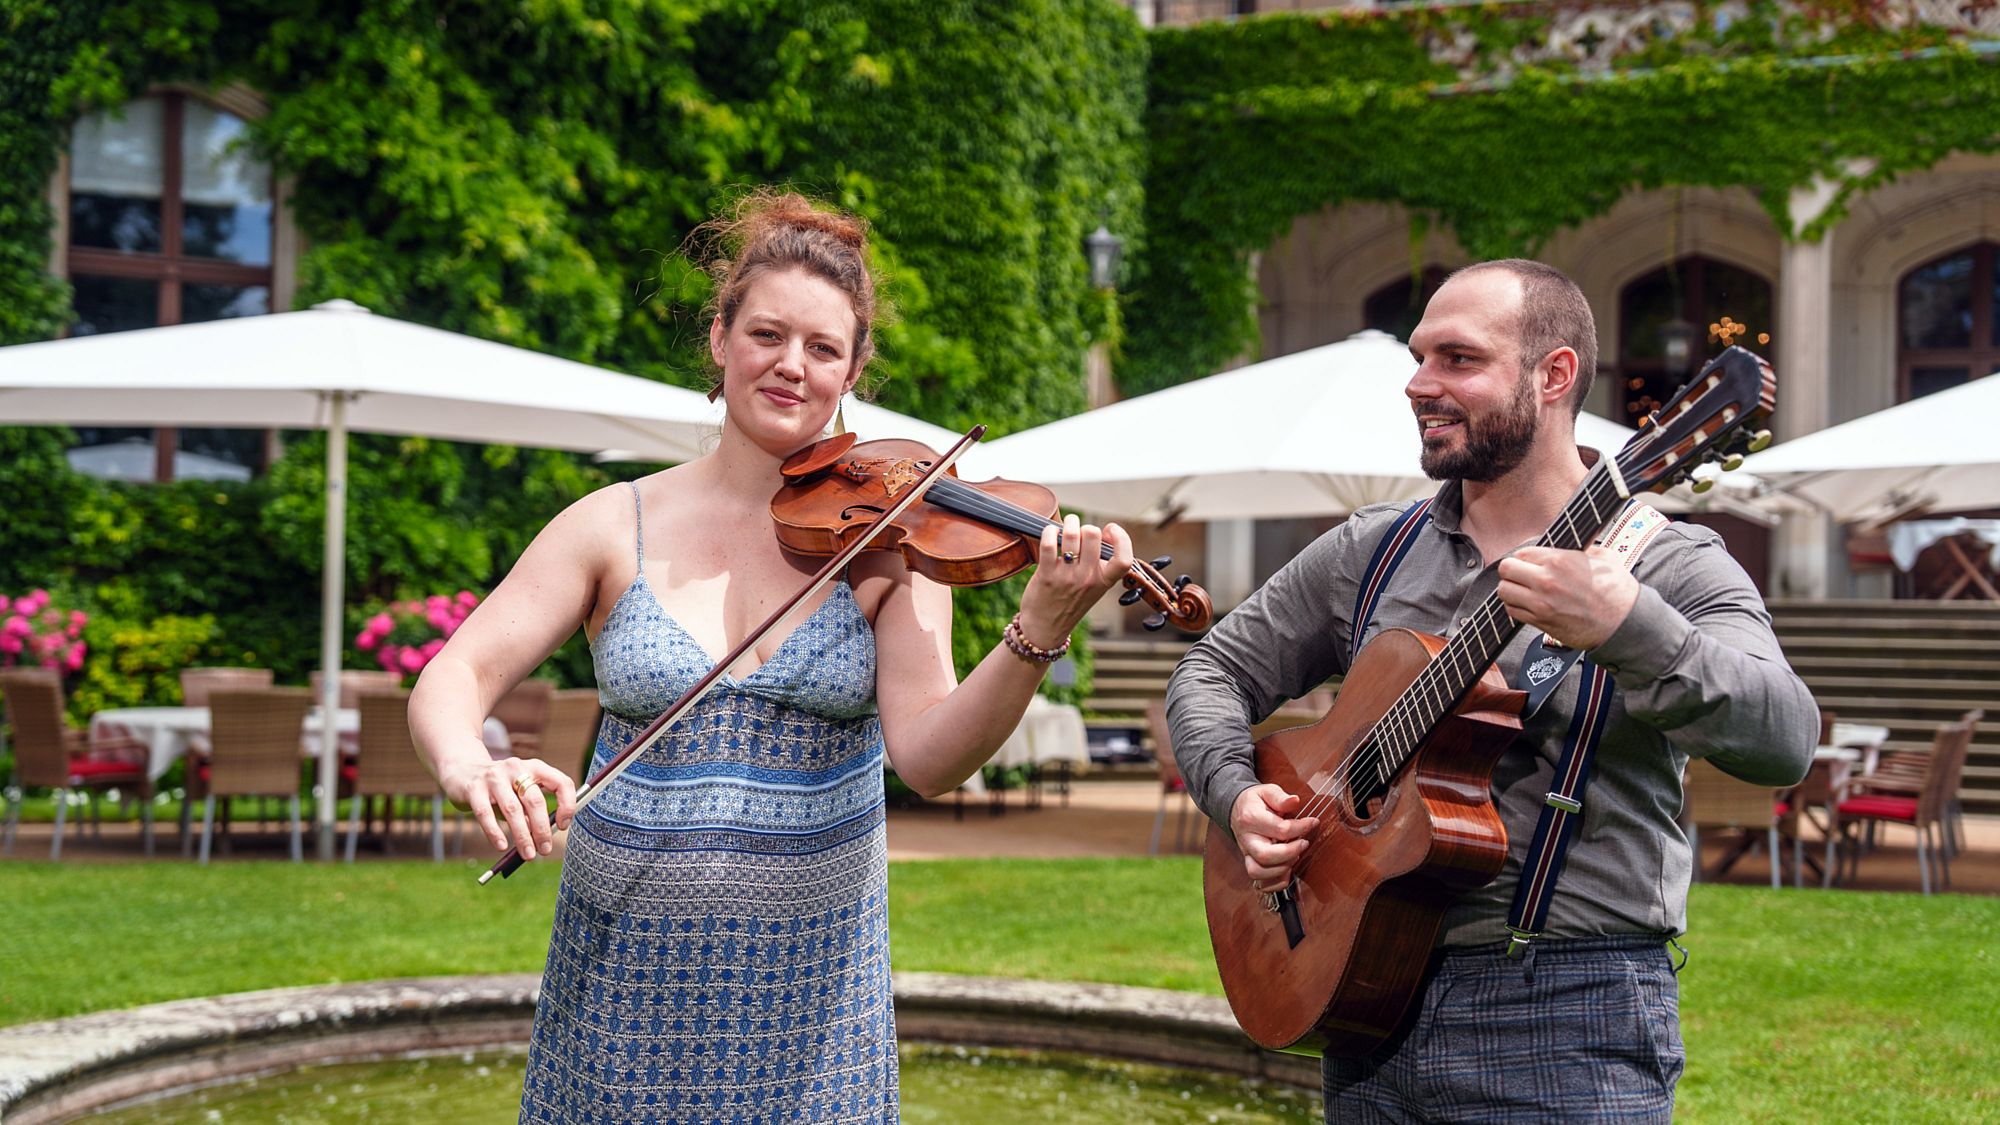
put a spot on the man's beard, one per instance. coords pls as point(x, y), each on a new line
point(1493, 445)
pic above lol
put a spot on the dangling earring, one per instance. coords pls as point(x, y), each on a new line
point(715, 392)
point(840, 416)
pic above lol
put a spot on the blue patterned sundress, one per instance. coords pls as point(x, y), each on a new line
point(721, 942)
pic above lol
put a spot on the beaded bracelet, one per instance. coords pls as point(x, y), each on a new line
point(1019, 644)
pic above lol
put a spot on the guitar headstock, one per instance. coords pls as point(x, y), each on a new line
point(1719, 415)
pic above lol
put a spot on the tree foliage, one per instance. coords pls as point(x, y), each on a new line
point(529, 172)
point(1256, 122)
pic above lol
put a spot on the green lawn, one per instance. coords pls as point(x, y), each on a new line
point(1795, 1005)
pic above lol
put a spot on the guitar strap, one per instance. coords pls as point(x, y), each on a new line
point(1389, 553)
point(1562, 810)
point(1542, 669)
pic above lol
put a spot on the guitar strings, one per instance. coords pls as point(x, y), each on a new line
point(1406, 716)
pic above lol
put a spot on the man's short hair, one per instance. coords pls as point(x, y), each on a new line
point(1553, 315)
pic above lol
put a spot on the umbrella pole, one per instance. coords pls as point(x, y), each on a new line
point(332, 591)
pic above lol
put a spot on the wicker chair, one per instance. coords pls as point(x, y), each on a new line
point(49, 752)
point(570, 736)
point(525, 713)
point(1927, 811)
point(355, 684)
point(389, 766)
point(197, 684)
point(255, 752)
point(1713, 799)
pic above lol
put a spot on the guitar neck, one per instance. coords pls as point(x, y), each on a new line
point(1486, 631)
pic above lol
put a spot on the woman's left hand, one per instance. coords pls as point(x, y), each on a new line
point(1071, 576)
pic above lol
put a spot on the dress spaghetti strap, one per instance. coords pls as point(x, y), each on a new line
point(638, 526)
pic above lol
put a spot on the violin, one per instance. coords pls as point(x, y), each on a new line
point(837, 503)
point(960, 534)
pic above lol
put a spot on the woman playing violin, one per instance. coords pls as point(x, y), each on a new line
point(721, 931)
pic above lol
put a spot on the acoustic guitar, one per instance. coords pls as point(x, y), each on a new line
point(1399, 772)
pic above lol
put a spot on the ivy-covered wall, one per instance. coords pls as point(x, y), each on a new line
point(527, 172)
point(1255, 122)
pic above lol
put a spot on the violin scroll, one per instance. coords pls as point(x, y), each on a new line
point(1181, 601)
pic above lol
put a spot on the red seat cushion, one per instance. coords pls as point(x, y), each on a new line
point(1781, 809)
point(1881, 808)
point(349, 773)
point(104, 773)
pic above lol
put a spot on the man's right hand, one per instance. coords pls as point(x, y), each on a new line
point(1271, 842)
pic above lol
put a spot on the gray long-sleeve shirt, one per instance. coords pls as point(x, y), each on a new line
point(1698, 671)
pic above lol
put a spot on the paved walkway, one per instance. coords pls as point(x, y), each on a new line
point(1102, 818)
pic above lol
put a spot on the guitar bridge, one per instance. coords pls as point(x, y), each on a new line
point(1286, 907)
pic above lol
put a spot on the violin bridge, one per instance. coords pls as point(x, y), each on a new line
point(895, 475)
point(901, 475)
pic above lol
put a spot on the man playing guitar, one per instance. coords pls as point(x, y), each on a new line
point(1586, 1026)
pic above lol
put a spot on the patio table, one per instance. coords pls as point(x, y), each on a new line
point(168, 732)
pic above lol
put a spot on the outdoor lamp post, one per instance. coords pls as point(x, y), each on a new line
point(1104, 248)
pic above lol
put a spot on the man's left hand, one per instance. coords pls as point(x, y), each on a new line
point(1579, 598)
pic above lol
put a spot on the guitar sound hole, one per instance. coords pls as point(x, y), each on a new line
point(1365, 791)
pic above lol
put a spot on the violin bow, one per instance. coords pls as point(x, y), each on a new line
point(510, 862)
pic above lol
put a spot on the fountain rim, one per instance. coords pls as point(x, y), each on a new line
point(61, 1069)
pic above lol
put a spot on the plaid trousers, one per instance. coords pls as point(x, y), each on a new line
point(1595, 1036)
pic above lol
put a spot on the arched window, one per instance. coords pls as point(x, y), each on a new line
point(1947, 322)
point(1664, 318)
point(1398, 306)
point(170, 222)
point(1663, 339)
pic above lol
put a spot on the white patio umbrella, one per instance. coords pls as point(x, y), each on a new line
point(1318, 432)
point(869, 422)
point(1936, 453)
point(338, 368)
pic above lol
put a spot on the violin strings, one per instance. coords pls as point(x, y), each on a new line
point(971, 501)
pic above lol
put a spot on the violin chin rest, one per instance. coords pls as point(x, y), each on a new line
point(817, 457)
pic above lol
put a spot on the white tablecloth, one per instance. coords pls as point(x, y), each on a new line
point(1863, 737)
point(168, 731)
point(1048, 732)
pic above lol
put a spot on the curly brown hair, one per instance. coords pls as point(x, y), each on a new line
point(770, 230)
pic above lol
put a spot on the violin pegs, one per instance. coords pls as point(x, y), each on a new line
point(1131, 596)
point(1154, 623)
point(1181, 582)
point(1162, 561)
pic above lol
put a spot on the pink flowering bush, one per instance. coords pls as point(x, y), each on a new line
point(34, 631)
point(405, 635)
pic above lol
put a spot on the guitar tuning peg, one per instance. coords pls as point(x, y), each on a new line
point(1702, 485)
point(1154, 623)
point(1131, 596)
point(1759, 441)
point(1732, 462)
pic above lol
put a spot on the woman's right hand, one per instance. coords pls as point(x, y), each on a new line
point(510, 790)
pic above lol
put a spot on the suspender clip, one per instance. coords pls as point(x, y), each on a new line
point(1569, 805)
